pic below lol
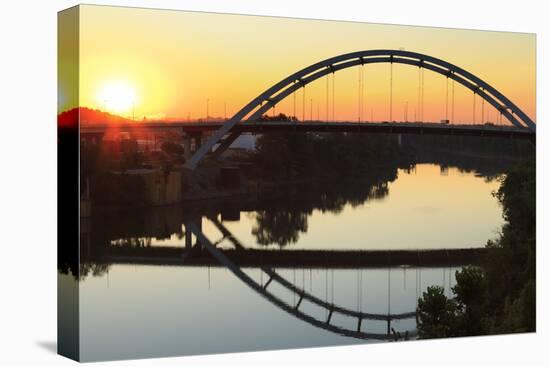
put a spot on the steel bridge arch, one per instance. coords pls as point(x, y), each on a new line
point(301, 293)
point(273, 95)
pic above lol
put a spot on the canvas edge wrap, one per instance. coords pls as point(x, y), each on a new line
point(68, 187)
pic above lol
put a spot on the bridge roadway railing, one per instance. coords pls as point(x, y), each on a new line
point(197, 130)
point(351, 126)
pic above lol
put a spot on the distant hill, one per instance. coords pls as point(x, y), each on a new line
point(87, 115)
point(69, 118)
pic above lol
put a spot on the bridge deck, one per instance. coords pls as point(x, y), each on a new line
point(320, 126)
point(290, 258)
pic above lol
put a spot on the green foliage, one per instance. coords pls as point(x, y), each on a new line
point(499, 297)
point(465, 314)
point(511, 265)
point(517, 194)
point(471, 296)
point(518, 315)
point(279, 117)
point(338, 169)
point(436, 314)
point(471, 286)
point(284, 156)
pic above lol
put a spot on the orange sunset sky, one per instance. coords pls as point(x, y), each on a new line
point(166, 64)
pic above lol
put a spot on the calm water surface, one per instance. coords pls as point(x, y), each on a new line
point(132, 311)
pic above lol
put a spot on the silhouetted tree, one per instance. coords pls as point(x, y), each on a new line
point(472, 301)
point(499, 297)
point(172, 148)
point(279, 117)
point(436, 314)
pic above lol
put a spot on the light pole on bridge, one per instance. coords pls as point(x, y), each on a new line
point(207, 113)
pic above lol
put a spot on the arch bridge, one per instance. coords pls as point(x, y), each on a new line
point(256, 108)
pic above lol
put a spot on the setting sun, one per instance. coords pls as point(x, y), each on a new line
point(117, 96)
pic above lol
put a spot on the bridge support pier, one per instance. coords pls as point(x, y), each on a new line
point(197, 137)
point(198, 223)
point(187, 147)
point(188, 242)
point(190, 139)
point(188, 239)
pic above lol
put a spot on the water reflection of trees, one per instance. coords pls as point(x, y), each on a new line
point(132, 242)
point(333, 170)
point(281, 219)
point(353, 168)
point(483, 156)
point(287, 156)
point(298, 174)
point(94, 269)
point(281, 227)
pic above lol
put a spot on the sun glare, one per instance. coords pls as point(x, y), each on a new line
point(118, 97)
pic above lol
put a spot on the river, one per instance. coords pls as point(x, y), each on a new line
point(130, 308)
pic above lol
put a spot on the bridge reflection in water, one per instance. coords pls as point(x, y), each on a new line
point(199, 250)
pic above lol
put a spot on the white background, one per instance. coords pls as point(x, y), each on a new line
point(28, 181)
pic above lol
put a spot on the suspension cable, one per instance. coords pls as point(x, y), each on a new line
point(482, 110)
point(359, 94)
point(363, 99)
point(389, 289)
point(416, 287)
point(447, 99)
point(418, 102)
point(331, 286)
point(304, 104)
point(357, 290)
point(310, 281)
point(363, 93)
point(294, 284)
point(453, 102)
point(423, 94)
point(294, 104)
point(391, 91)
point(318, 118)
point(333, 95)
point(327, 101)
point(326, 289)
point(474, 109)
point(360, 290)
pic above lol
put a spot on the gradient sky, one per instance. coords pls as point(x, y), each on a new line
point(168, 63)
